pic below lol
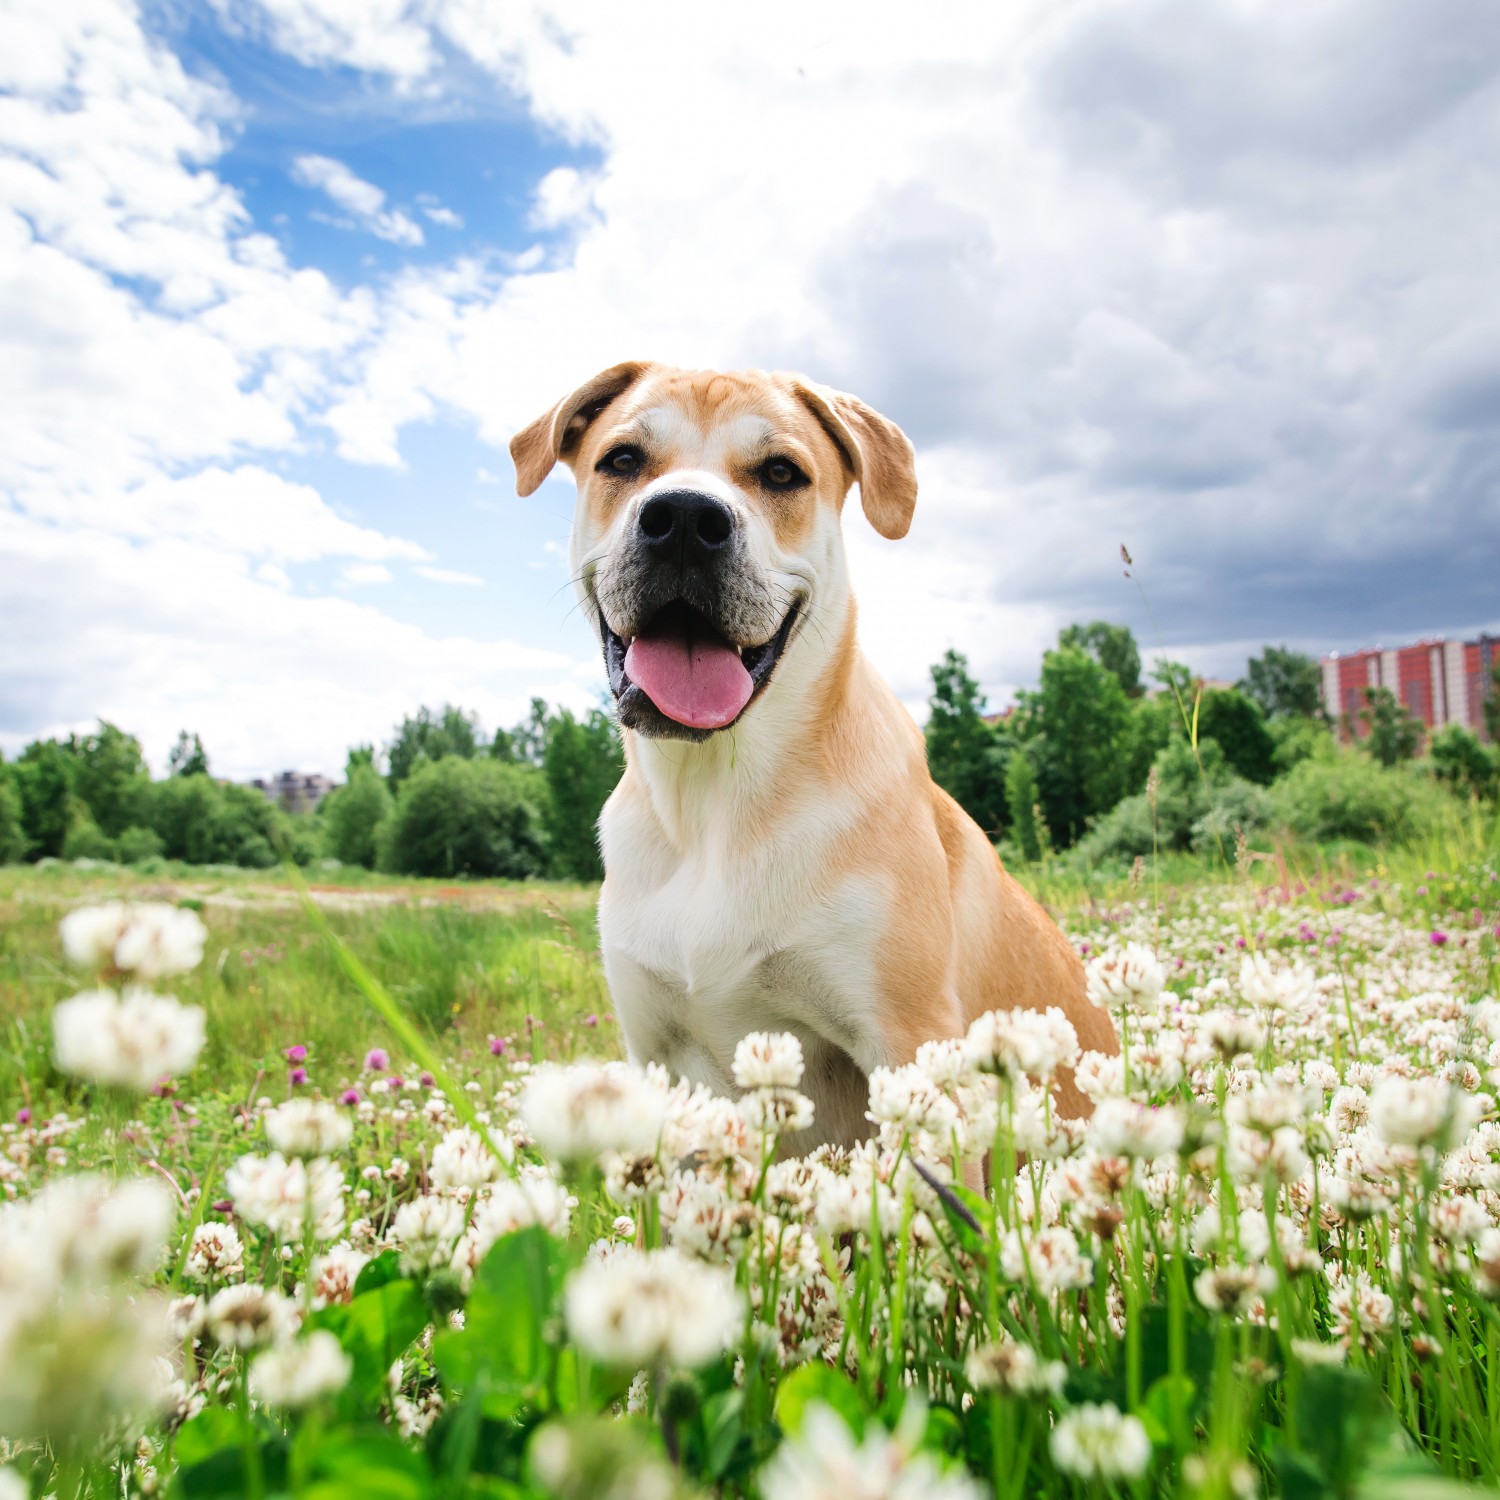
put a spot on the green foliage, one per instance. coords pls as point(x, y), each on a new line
point(44, 778)
point(426, 737)
point(1239, 727)
point(187, 757)
point(1492, 706)
point(1154, 722)
point(1113, 647)
point(84, 839)
point(1021, 799)
point(110, 777)
point(467, 817)
point(136, 844)
point(1297, 740)
point(206, 822)
point(1463, 762)
point(353, 813)
point(12, 835)
point(582, 762)
point(525, 743)
point(965, 755)
point(1073, 726)
point(1393, 734)
point(1286, 684)
point(1352, 797)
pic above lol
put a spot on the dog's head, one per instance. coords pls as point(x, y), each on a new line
point(707, 530)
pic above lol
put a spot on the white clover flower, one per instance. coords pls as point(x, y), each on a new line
point(1100, 1442)
point(127, 1041)
point(1276, 987)
point(462, 1159)
point(1422, 1112)
point(427, 1229)
point(907, 1099)
point(1014, 1369)
point(334, 1273)
point(248, 1316)
point(641, 1308)
point(1232, 1033)
point(768, 1060)
point(1015, 1042)
point(1050, 1258)
point(775, 1111)
point(284, 1196)
point(1121, 1127)
point(148, 938)
point(1129, 978)
point(309, 1127)
point(298, 1373)
point(12, 1486)
point(1486, 1263)
point(1099, 1075)
point(216, 1253)
point(534, 1197)
point(826, 1462)
point(1232, 1289)
point(577, 1113)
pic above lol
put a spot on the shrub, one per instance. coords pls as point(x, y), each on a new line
point(136, 844)
point(1297, 740)
point(353, 813)
point(12, 835)
point(85, 839)
point(467, 817)
point(1464, 763)
point(1354, 798)
point(1021, 796)
point(209, 822)
point(1239, 727)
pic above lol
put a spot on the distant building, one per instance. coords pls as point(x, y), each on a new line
point(1439, 682)
point(296, 791)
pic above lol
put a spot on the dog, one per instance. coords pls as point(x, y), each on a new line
point(777, 856)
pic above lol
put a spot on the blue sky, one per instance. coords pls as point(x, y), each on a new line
point(279, 279)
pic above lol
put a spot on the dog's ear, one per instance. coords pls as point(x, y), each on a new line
point(878, 453)
point(555, 434)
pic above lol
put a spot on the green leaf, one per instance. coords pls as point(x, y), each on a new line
point(812, 1383)
point(214, 1427)
point(1343, 1419)
point(1157, 1409)
point(379, 1270)
point(375, 1329)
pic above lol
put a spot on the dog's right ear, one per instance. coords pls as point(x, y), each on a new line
point(555, 434)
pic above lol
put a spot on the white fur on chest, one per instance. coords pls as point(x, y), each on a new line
point(704, 946)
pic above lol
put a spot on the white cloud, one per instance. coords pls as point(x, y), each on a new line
point(442, 215)
point(365, 573)
point(362, 200)
point(451, 576)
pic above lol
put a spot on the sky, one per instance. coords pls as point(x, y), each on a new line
point(1215, 280)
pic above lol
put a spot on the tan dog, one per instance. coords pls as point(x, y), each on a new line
point(777, 856)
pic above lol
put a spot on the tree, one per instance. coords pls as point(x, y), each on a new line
point(582, 762)
point(965, 755)
point(1080, 719)
point(1113, 647)
point(13, 839)
point(1492, 706)
point(187, 757)
point(111, 777)
point(428, 736)
point(207, 822)
point(465, 817)
point(44, 780)
point(1236, 722)
point(353, 813)
point(1394, 734)
point(359, 755)
point(1465, 763)
point(1284, 683)
point(1021, 801)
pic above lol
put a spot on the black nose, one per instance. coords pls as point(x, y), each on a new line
point(685, 526)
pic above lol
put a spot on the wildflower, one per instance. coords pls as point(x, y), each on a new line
point(127, 1041)
point(825, 1461)
point(248, 1316)
point(1014, 1369)
point(579, 1112)
point(1100, 1075)
point(288, 1197)
point(463, 1160)
point(1486, 1255)
point(1276, 988)
point(377, 1060)
point(334, 1273)
point(1232, 1289)
point(427, 1229)
point(1422, 1112)
point(1015, 1042)
point(149, 939)
point(1100, 1442)
point(216, 1253)
point(1121, 1127)
point(308, 1127)
point(768, 1060)
point(1313, 1352)
point(1050, 1258)
point(643, 1308)
point(1129, 979)
point(299, 1373)
point(296, 1053)
point(1232, 1034)
point(776, 1111)
point(12, 1486)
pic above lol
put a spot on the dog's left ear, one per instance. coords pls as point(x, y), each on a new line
point(878, 453)
point(555, 434)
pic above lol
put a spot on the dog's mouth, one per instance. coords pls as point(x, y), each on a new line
point(687, 668)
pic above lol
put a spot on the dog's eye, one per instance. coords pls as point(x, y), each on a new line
point(782, 474)
point(624, 461)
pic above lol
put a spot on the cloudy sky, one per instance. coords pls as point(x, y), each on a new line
point(279, 278)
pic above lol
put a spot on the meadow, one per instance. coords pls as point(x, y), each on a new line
point(397, 1226)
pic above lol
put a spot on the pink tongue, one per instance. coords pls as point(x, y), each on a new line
point(702, 684)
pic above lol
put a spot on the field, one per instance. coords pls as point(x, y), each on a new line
point(370, 1238)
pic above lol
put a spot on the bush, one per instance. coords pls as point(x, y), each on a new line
point(85, 839)
point(1236, 808)
point(1353, 798)
point(207, 822)
point(467, 817)
point(1297, 740)
point(353, 813)
point(1236, 723)
point(12, 836)
point(1464, 763)
point(136, 844)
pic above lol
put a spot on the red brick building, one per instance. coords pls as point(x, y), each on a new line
point(1439, 682)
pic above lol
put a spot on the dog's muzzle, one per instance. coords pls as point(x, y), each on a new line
point(691, 650)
